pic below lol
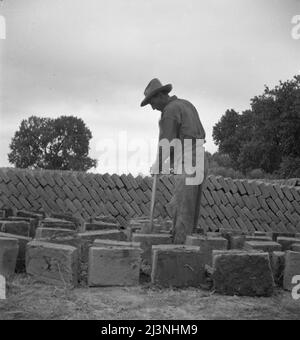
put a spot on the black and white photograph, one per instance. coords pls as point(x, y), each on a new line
point(149, 162)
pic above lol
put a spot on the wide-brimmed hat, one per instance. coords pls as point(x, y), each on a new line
point(154, 87)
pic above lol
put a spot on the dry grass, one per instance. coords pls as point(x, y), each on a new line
point(28, 299)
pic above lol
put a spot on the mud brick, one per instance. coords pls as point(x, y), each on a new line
point(272, 191)
point(224, 199)
point(242, 225)
point(109, 195)
point(20, 186)
point(12, 189)
point(296, 193)
point(128, 209)
point(136, 208)
point(255, 214)
point(87, 239)
point(266, 227)
point(68, 192)
point(59, 192)
point(120, 209)
point(22, 242)
point(288, 205)
point(248, 187)
point(208, 197)
point(142, 196)
point(296, 206)
point(211, 224)
point(277, 259)
point(85, 193)
point(58, 179)
point(292, 269)
point(50, 192)
point(101, 181)
point(218, 212)
point(166, 193)
point(114, 266)
point(17, 228)
point(114, 243)
point(265, 246)
point(117, 181)
point(53, 233)
point(125, 181)
point(241, 188)
point(273, 217)
point(272, 205)
point(250, 226)
point(4, 176)
point(94, 195)
point(132, 181)
point(234, 225)
point(70, 205)
point(15, 202)
point(280, 205)
point(101, 193)
point(226, 211)
point(255, 188)
point(112, 210)
point(177, 266)
point(117, 195)
point(290, 217)
point(263, 203)
point(4, 189)
point(237, 241)
point(232, 186)
point(248, 213)
point(122, 221)
point(9, 250)
point(77, 204)
point(216, 197)
point(225, 224)
point(242, 273)
point(224, 184)
point(52, 263)
point(25, 203)
point(214, 180)
point(207, 245)
point(218, 224)
point(167, 183)
point(143, 185)
point(149, 240)
point(264, 216)
point(203, 212)
point(282, 217)
point(96, 208)
point(125, 195)
point(240, 213)
point(208, 185)
point(287, 242)
point(264, 189)
point(287, 192)
point(87, 207)
point(279, 192)
point(239, 200)
point(49, 178)
point(39, 177)
point(258, 226)
point(248, 202)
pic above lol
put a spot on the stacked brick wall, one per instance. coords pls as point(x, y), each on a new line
point(235, 204)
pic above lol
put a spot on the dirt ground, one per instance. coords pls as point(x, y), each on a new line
point(28, 300)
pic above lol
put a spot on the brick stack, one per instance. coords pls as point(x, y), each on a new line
point(240, 205)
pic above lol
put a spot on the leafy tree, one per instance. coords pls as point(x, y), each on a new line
point(267, 137)
point(60, 144)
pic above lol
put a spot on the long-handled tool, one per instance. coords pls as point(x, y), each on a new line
point(153, 201)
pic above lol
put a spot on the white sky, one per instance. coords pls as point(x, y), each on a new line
point(93, 59)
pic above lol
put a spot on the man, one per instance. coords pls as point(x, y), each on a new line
point(179, 122)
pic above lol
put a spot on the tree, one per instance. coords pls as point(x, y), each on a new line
point(266, 137)
point(57, 144)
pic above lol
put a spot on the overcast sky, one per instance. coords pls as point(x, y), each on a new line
point(94, 58)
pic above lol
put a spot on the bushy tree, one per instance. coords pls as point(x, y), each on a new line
point(60, 144)
point(266, 137)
